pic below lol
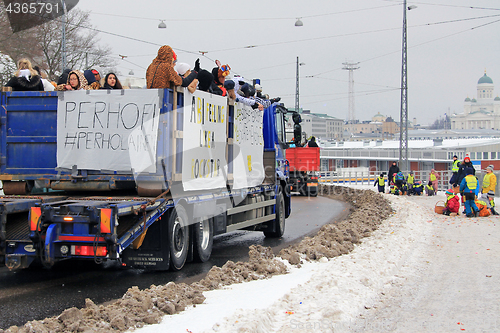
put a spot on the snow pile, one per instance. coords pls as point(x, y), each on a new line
point(341, 288)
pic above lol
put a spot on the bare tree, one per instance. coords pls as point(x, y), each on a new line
point(43, 44)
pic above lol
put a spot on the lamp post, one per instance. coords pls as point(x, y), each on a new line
point(297, 86)
point(63, 42)
point(403, 125)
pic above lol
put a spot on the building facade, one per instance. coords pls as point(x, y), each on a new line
point(480, 113)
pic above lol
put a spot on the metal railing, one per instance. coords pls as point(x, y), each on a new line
point(368, 177)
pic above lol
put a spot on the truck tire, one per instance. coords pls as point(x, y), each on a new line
point(203, 240)
point(312, 191)
point(178, 237)
point(279, 221)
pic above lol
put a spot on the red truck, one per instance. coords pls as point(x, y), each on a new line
point(304, 164)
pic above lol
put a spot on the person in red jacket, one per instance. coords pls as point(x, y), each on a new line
point(452, 203)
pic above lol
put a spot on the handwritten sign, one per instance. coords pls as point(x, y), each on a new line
point(248, 164)
point(102, 129)
point(204, 141)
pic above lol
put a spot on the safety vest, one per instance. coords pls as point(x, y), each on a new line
point(429, 187)
point(433, 177)
point(411, 179)
point(486, 180)
point(381, 181)
point(455, 167)
point(471, 182)
point(481, 202)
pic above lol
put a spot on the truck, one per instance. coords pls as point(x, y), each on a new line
point(304, 164)
point(145, 177)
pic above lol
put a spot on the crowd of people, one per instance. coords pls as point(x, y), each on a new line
point(163, 72)
point(478, 200)
point(32, 78)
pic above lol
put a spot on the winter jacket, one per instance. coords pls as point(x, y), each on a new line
point(83, 83)
point(392, 170)
point(483, 208)
point(22, 84)
point(461, 170)
point(489, 186)
point(453, 203)
point(161, 73)
point(467, 187)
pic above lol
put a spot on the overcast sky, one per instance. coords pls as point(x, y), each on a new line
point(445, 60)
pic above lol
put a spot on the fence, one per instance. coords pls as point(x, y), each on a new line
point(368, 177)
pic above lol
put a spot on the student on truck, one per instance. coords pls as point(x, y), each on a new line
point(92, 83)
point(111, 82)
point(76, 81)
point(160, 74)
point(25, 78)
point(184, 70)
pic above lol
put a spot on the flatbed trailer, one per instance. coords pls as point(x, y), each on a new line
point(50, 214)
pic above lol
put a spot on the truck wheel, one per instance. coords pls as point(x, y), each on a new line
point(203, 239)
point(178, 237)
point(279, 222)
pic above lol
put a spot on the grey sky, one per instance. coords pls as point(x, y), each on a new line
point(444, 60)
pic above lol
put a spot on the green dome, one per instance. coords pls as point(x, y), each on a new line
point(485, 79)
point(467, 99)
point(497, 98)
point(473, 100)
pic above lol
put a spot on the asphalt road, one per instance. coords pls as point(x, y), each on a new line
point(36, 293)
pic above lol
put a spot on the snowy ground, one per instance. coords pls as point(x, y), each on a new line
point(419, 272)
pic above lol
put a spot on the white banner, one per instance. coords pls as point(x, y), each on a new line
point(248, 159)
point(204, 141)
point(102, 129)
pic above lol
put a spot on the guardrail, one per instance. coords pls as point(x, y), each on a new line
point(368, 177)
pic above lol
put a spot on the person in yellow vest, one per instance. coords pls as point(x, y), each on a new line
point(410, 180)
point(429, 189)
point(454, 171)
point(470, 189)
point(433, 179)
point(380, 181)
point(488, 189)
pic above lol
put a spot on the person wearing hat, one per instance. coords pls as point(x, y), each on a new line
point(470, 189)
point(454, 171)
point(410, 180)
point(488, 188)
point(466, 163)
point(452, 203)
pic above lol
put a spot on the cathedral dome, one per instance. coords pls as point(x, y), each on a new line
point(473, 100)
point(497, 98)
point(485, 79)
point(467, 99)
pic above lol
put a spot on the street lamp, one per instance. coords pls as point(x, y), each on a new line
point(131, 72)
point(299, 23)
point(162, 25)
point(63, 42)
point(403, 125)
point(297, 86)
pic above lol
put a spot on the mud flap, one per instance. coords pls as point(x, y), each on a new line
point(50, 237)
point(154, 253)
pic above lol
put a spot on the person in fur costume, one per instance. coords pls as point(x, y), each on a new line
point(76, 81)
point(25, 78)
point(219, 73)
point(161, 73)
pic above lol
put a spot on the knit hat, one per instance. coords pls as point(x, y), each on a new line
point(258, 87)
point(449, 192)
point(455, 156)
point(95, 72)
point(182, 68)
point(491, 167)
point(467, 158)
point(89, 75)
point(469, 171)
point(491, 194)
